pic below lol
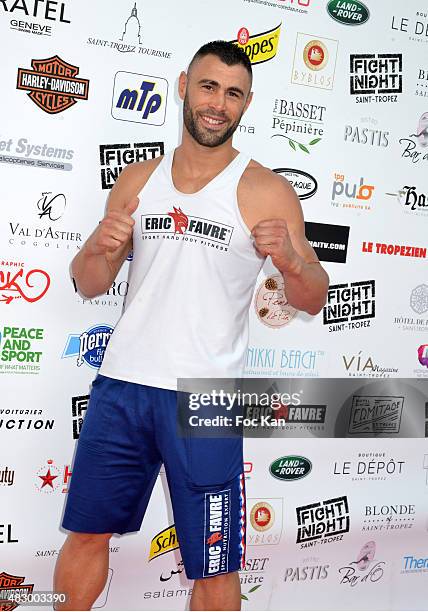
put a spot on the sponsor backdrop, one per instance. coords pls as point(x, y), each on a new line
point(341, 110)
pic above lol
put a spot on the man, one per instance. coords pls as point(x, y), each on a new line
point(201, 221)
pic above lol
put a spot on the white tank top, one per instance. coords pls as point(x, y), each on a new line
point(190, 285)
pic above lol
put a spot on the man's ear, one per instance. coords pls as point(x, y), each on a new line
point(182, 84)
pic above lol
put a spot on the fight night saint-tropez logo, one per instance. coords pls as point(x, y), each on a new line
point(177, 225)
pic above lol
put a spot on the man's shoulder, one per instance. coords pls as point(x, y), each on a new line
point(266, 194)
point(257, 177)
point(131, 181)
point(140, 171)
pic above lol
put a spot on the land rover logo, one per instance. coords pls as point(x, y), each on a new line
point(348, 13)
point(304, 184)
point(290, 467)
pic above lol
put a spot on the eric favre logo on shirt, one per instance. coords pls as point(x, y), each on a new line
point(177, 225)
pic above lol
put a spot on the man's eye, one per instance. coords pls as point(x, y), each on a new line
point(207, 86)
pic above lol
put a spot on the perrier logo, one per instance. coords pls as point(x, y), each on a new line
point(53, 84)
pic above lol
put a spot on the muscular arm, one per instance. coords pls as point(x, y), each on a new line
point(98, 262)
point(279, 231)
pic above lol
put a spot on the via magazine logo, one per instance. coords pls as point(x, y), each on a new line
point(90, 346)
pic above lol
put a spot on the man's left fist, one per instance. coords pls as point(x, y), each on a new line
point(271, 237)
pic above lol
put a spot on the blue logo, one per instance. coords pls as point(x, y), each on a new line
point(139, 98)
point(217, 532)
point(90, 346)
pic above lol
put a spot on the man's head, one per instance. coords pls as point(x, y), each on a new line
point(216, 91)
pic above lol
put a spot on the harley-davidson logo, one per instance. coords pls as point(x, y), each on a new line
point(53, 84)
point(10, 588)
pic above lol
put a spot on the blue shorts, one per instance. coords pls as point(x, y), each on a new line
point(128, 432)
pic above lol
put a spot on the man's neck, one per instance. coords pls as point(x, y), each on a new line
point(195, 160)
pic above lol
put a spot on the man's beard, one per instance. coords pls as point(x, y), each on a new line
point(204, 136)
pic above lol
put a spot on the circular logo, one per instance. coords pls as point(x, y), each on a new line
point(349, 13)
point(262, 516)
point(419, 299)
point(304, 184)
point(243, 36)
point(315, 55)
point(290, 467)
point(271, 305)
point(93, 344)
point(48, 478)
point(366, 555)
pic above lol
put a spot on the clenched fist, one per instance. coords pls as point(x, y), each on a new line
point(271, 237)
point(114, 230)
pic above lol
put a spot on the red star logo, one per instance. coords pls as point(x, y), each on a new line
point(181, 220)
point(282, 412)
point(48, 479)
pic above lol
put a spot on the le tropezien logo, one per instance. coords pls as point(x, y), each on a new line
point(259, 47)
point(53, 84)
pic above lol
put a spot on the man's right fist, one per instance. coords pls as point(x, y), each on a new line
point(114, 230)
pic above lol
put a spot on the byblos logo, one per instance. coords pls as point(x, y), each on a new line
point(88, 346)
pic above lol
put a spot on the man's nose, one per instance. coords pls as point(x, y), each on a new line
point(218, 101)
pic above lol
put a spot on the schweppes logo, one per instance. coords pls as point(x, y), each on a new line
point(163, 542)
point(259, 47)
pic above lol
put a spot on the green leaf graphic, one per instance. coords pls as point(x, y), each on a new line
point(303, 148)
point(292, 145)
point(244, 597)
point(255, 588)
point(314, 141)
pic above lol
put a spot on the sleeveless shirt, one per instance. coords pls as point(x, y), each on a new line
point(191, 282)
